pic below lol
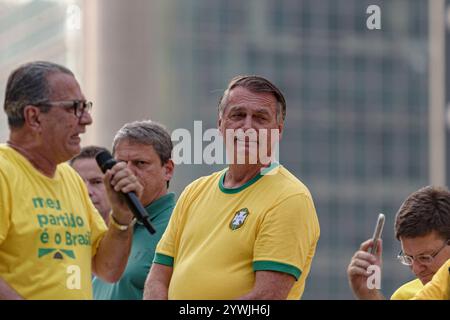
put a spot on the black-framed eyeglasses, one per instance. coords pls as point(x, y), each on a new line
point(422, 259)
point(79, 106)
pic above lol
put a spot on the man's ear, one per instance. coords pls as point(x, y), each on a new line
point(281, 128)
point(31, 116)
point(219, 123)
point(169, 167)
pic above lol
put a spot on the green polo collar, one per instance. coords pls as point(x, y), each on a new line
point(160, 205)
point(248, 183)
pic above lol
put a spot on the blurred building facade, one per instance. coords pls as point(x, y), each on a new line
point(357, 100)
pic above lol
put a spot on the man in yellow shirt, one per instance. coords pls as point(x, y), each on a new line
point(51, 236)
point(249, 231)
point(422, 227)
point(439, 287)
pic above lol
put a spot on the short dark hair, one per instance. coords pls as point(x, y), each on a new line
point(88, 152)
point(26, 85)
point(255, 84)
point(424, 211)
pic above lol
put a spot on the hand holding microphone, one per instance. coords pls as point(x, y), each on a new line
point(106, 161)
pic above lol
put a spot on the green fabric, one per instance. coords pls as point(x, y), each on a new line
point(131, 284)
point(277, 266)
point(163, 259)
point(248, 183)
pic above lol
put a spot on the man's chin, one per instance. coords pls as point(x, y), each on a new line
point(247, 159)
point(425, 279)
point(75, 146)
point(72, 151)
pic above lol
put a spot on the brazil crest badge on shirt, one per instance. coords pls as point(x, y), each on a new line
point(239, 219)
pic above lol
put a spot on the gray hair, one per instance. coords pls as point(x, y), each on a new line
point(28, 85)
point(255, 84)
point(149, 133)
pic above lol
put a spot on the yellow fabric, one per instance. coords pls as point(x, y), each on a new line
point(439, 287)
point(212, 261)
point(49, 230)
point(408, 290)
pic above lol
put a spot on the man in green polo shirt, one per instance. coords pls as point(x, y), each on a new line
point(146, 147)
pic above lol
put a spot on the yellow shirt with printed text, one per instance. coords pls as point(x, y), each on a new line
point(218, 237)
point(49, 230)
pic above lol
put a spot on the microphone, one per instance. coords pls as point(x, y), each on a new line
point(105, 161)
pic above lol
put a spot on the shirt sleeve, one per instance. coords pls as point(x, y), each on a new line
point(288, 237)
point(5, 207)
point(166, 250)
point(97, 225)
point(98, 228)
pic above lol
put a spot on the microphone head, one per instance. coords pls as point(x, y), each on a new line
point(105, 160)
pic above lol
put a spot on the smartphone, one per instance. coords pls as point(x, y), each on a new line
point(377, 233)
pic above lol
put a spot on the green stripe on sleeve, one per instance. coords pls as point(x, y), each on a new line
point(163, 259)
point(277, 266)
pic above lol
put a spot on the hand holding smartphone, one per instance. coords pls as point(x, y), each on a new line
point(377, 233)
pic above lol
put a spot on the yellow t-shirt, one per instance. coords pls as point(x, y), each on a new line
point(408, 290)
point(49, 230)
point(439, 287)
point(217, 237)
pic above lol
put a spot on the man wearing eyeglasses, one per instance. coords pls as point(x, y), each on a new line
point(423, 228)
point(51, 236)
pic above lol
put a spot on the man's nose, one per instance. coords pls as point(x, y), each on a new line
point(86, 118)
point(417, 267)
point(248, 123)
point(131, 166)
point(90, 190)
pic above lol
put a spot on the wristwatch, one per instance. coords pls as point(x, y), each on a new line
point(122, 227)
